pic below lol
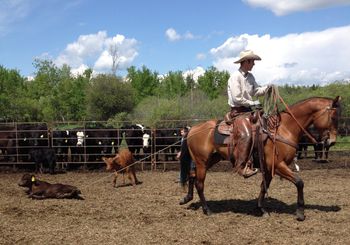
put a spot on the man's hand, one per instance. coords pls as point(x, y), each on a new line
point(256, 103)
point(178, 155)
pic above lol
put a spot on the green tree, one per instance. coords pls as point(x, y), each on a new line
point(143, 81)
point(41, 91)
point(108, 95)
point(11, 94)
point(213, 82)
point(70, 98)
point(172, 85)
point(46, 78)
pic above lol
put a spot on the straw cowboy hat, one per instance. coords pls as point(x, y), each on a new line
point(247, 55)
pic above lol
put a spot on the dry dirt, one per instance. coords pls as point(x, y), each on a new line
point(150, 214)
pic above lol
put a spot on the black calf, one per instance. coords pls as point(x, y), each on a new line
point(44, 158)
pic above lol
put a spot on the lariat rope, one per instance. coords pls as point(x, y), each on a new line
point(302, 128)
point(271, 114)
point(271, 110)
point(138, 161)
point(150, 155)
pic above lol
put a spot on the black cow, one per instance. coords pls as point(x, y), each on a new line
point(101, 142)
point(162, 141)
point(62, 141)
point(133, 135)
point(31, 136)
point(7, 142)
point(167, 141)
point(44, 158)
point(78, 145)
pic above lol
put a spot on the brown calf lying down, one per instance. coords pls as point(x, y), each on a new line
point(123, 159)
point(40, 189)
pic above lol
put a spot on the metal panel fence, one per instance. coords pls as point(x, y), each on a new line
point(83, 144)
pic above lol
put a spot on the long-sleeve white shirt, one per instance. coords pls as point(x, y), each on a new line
point(241, 87)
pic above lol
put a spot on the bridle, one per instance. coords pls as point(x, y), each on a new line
point(274, 136)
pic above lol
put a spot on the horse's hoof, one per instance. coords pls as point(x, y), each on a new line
point(263, 213)
point(185, 200)
point(207, 212)
point(300, 216)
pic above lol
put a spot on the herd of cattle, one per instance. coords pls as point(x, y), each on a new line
point(38, 143)
point(29, 143)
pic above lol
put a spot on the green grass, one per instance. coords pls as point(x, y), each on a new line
point(343, 143)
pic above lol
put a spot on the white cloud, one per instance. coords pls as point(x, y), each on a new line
point(173, 36)
point(79, 70)
point(188, 36)
point(305, 58)
point(195, 73)
point(284, 7)
point(126, 52)
point(230, 47)
point(201, 56)
point(94, 49)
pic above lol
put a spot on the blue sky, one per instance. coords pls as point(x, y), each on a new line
point(300, 41)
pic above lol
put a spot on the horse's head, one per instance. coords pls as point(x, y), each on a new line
point(326, 119)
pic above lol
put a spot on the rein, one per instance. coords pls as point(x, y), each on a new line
point(313, 140)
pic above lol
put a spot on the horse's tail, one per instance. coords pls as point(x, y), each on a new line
point(185, 162)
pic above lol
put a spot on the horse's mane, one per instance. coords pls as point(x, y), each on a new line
point(307, 99)
point(337, 105)
point(310, 98)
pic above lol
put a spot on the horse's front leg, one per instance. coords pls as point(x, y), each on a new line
point(299, 183)
point(263, 190)
point(285, 172)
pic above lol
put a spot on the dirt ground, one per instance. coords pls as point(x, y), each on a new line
point(150, 214)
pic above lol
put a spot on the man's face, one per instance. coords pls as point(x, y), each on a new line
point(250, 64)
point(182, 132)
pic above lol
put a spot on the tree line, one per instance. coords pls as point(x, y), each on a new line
point(54, 94)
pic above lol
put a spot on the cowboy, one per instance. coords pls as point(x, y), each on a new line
point(241, 88)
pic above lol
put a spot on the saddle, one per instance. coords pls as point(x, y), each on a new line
point(222, 133)
point(224, 128)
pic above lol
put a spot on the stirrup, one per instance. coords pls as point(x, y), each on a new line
point(251, 172)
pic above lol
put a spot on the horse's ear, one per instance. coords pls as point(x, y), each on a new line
point(336, 101)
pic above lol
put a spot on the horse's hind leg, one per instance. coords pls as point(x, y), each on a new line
point(201, 173)
point(189, 195)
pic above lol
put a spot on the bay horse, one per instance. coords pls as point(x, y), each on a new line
point(279, 151)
